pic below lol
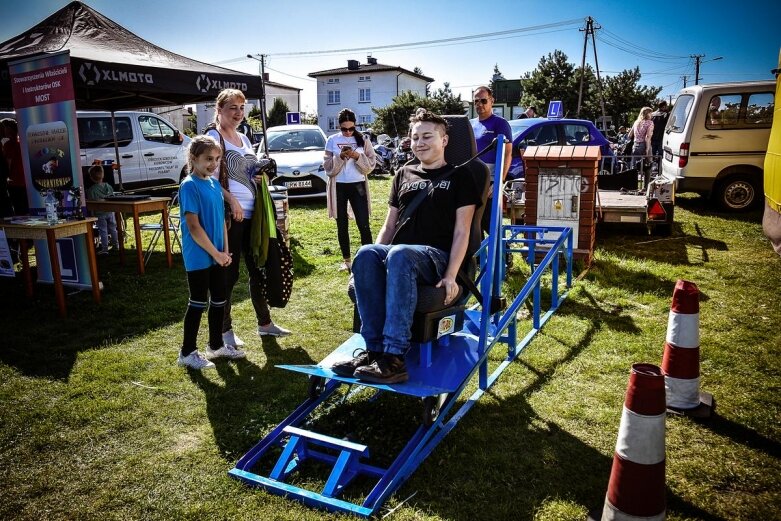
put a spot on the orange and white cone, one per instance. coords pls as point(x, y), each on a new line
point(681, 362)
point(636, 489)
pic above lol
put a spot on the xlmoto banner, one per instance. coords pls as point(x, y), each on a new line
point(43, 95)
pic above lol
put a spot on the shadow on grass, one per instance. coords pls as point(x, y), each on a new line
point(701, 205)
point(251, 399)
point(39, 344)
point(743, 435)
point(679, 249)
point(505, 461)
point(603, 315)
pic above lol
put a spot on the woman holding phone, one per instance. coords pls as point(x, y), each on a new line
point(349, 158)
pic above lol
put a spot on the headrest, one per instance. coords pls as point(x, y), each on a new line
point(461, 141)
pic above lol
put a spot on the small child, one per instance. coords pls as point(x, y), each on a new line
point(106, 221)
point(205, 253)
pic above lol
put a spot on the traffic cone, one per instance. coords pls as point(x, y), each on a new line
point(681, 362)
point(637, 489)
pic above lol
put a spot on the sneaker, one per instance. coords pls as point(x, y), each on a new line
point(102, 252)
point(225, 351)
point(361, 358)
point(194, 360)
point(388, 369)
point(229, 338)
point(271, 329)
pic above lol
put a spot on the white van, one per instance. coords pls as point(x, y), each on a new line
point(152, 152)
point(716, 138)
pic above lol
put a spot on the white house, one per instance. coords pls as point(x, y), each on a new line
point(274, 90)
point(361, 87)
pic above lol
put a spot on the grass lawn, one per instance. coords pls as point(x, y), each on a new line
point(98, 422)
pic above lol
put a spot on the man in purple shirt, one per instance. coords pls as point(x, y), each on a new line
point(486, 126)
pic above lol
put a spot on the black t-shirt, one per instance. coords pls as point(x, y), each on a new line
point(434, 220)
point(660, 121)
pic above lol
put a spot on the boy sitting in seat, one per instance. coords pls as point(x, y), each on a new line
point(428, 248)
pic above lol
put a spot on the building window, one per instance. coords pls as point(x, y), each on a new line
point(364, 78)
point(331, 123)
point(334, 97)
point(365, 120)
point(333, 80)
point(365, 96)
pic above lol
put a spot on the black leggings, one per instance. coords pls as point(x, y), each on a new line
point(239, 245)
point(202, 283)
point(355, 193)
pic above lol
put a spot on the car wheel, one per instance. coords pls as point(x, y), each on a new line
point(183, 174)
point(737, 193)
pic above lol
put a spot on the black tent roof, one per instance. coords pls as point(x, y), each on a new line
point(113, 69)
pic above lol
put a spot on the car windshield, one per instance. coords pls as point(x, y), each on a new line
point(517, 126)
point(679, 113)
point(294, 140)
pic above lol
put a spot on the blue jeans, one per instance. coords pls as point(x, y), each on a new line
point(386, 280)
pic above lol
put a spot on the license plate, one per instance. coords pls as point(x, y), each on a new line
point(668, 156)
point(307, 183)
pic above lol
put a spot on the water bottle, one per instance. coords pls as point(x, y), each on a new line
point(51, 208)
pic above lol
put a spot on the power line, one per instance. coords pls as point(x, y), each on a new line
point(429, 42)
point(642, 49)
point(291, 75)
point(427, 46)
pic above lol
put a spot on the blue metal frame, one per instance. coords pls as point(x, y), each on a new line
point(433, 372)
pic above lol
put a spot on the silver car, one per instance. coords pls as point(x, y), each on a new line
point(298, 151)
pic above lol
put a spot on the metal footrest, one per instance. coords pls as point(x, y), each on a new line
point(295, 451)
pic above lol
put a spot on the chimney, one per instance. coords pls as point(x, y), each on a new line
point(371, 61)
point(353, 65)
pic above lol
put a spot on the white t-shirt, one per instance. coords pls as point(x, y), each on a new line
point(241, 163)
point(350, 173)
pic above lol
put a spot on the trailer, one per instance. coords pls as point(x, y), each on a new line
point(634, 196)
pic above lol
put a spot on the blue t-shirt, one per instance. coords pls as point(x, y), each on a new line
point(485, 131)
point(202, 197)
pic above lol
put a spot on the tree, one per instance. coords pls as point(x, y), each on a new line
point(553, 79)
point(278, 113)
point(447, 102)
point(624, 97)
point(394, 119)
point(557, 79)
point(496, 76)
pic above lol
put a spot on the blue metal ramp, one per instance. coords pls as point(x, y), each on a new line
point(439, 373)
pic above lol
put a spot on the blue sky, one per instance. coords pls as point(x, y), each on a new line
point(658, 37)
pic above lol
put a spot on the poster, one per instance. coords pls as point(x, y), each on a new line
point(6, 262)
point(42, 88)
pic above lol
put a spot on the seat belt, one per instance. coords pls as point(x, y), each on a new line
point(410, 210)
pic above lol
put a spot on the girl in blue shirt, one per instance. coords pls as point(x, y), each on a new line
point(205, 253)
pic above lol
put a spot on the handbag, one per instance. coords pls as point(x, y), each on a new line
point(278, 272)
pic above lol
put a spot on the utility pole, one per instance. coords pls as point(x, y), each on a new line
point(684, 80)
point(599, 80)
point(589, 31)
point(583, 63)
point(262, 61)
point(697, 59)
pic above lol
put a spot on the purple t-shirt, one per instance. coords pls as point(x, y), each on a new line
point(485, 132)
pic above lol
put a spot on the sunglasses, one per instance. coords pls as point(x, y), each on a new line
point(347, 129)
point(481, 100)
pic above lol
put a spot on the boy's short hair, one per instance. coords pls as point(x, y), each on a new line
point(424, 115)
point(95, 173)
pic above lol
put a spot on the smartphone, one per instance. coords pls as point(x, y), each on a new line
point(347, 148)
